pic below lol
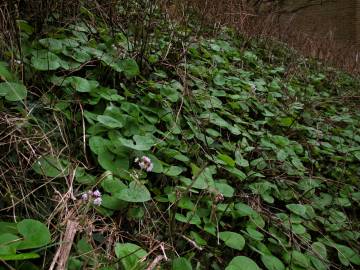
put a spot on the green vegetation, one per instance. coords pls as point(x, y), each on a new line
point(254, 153)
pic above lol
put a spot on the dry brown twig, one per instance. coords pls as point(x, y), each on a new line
point(62, 255)
point(155, 262)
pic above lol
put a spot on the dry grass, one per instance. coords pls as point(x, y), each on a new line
point(255, 22)
point(41, 13)
point(251, 18)
point(9, 35)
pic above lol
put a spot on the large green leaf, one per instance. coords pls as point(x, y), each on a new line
point(112, 162)
point(51, 166)
point(172, 170)
point(112, 184)
point(13, 91)
point(8, 243)
point(78, 54)
point(98, 144)
point(347, 255)
point(254, 234)
point(130, 256)
point(80, 84)
point(233, 240)
point(135, 193)
point(319, 249)
point(143, 143)
point(242, 263)
point(236, 172)
point(190, 218)
point(318, 263)
point(272, 263)
point(297, 209)
point(244, 210)
point(299, 259)
point(35, 234)
point(8, 227)
point(203, 179)
point(225, 189)
point(5, 74)
point(171, 91)
point(227, 159)
point(45, 60)
point(128, 66)
point(54, 45)
point(107, 93)
point(83, 177)
point(109, 121)
point(181, 264)
point(112, 202)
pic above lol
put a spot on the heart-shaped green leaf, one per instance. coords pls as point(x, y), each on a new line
point(242, 263)
point(130, 255)
point(135, 193)
point(44, 60)
point(5, 74)
point(109, 121)
point(272, 263)
point(35, 234)
point(233, 240)
point(181, 264)
point(114, 163)
point(81, 84)
point(13, 91)
point(51, 166)
point(8, 243)
point(128, 66)
point(297, 209)
point(54, 45)
point(143, 143)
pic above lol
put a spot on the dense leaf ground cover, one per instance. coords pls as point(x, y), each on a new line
point(254, 154)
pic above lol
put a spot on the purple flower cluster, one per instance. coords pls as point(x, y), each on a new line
point(94, 196)
point(145, 163)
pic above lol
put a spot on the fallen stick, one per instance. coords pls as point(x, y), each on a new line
point(155, 262)
point(63, 252)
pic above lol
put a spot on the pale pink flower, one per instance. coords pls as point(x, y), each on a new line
point(145, 163)
point(96, 193)
point(97, 201)
point(146, 159)
point(150, 168)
